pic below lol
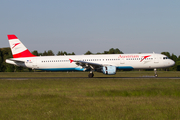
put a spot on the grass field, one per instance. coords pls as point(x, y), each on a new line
point(85, 74)
point(89, 99)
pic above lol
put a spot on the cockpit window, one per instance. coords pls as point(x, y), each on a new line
point(165, 58)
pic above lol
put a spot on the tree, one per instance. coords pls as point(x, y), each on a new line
point(173, 57)
point(117, 51)
point(65, 53)
point(1, 60)
point(60, 53)
point(45, 53)
point(88, 53)
point(50, 53)
point(113, 51)
point(73, 53)
point(40, 54)
point(178, 65)
point(9, 67)
point(178, 59)
point(98, 53)
point(35, 52)
point(106, 52)
point(167, 54)
point(5, 54)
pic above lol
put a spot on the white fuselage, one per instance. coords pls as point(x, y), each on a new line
point(120, 61)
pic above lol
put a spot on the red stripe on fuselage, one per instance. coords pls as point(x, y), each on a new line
point(10, 37)
point(25, 53)
point(145, 57)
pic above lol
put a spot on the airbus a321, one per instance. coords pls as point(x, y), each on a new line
point(107, 64)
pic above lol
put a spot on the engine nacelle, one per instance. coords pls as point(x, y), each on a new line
point(109, 70)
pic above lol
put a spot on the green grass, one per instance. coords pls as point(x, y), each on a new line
point(89, 99)
point(85, 74)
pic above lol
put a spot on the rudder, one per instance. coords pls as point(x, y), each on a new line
point(17, 48)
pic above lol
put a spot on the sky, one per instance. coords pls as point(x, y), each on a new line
point(132, 26)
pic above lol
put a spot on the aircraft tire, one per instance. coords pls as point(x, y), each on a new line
point(155, 75)
point(90, 75)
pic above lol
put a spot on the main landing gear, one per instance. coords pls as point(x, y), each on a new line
point(91, 75)
point(155, 75)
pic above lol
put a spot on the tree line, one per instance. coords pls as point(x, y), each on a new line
point(176, 59)
point(5, 53)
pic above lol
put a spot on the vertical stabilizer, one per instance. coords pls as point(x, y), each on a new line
point(17, 48)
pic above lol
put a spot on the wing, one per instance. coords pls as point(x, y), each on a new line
point(88, 65)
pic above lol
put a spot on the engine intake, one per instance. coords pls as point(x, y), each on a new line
point(109, 70)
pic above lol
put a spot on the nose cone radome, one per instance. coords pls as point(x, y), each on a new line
point(171, 63)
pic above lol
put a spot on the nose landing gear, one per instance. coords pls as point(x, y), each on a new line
point(155, 71)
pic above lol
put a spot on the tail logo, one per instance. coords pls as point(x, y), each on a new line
point(14, 45)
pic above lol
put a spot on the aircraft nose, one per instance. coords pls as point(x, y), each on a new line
point(172, 63)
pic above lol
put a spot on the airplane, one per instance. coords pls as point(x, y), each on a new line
point(107, 64)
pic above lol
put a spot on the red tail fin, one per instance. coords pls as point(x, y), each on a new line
point(17, 48)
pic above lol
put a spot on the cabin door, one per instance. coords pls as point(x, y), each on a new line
point(156, 60)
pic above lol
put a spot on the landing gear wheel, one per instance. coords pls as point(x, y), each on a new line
point(155, 75)
point(91, 75)
point(155, 71)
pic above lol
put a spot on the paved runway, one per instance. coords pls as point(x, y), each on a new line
point(30, 78)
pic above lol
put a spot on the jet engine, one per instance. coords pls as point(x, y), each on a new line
point(109, 70)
